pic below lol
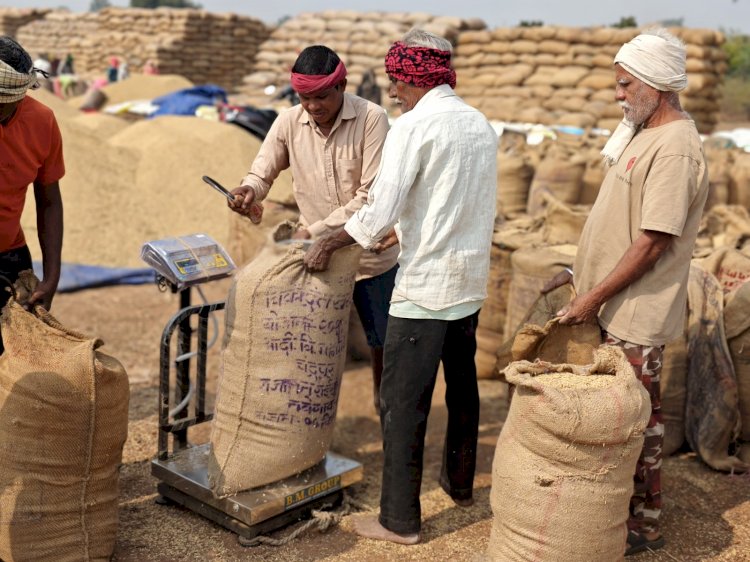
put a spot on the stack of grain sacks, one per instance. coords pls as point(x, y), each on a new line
point(564, 76)
point(13, 18)
point(361, 39)
point(203, 47)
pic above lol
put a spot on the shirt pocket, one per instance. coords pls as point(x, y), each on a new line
point(350, 174)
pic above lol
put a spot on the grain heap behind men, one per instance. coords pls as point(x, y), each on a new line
point(634, 254)
point(332, 141)
point(437, 180)
point(30, 153)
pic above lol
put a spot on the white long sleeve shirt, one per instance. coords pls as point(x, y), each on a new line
point(437, 180)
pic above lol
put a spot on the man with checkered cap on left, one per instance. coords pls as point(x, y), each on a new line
point(30, 153)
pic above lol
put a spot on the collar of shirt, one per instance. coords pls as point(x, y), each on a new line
point(347, 112)
point(442, 91)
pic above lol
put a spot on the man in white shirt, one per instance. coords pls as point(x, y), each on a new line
point(436, 184)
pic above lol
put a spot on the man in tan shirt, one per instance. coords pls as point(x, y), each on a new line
point(332, 141)
point(634, 254)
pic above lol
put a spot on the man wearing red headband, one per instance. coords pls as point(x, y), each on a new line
point(437, 183)
point(332, 141)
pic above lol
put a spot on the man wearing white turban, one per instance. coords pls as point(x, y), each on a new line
point(30, 153)
point(634, 254)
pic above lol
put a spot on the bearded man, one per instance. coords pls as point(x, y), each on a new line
point(634, 254)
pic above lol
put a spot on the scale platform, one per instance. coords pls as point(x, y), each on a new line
point(184, 480)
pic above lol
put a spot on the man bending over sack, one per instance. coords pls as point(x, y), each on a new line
point(30, 153)
point(332, 141)
point(631, 271)
point(437, 180)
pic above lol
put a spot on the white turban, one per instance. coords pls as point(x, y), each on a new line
point(13, 84)
point(655, 61)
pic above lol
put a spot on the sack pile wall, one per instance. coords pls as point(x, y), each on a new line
point(201, 46)
point(361, 39)
point(13, 18)
point(564, 76)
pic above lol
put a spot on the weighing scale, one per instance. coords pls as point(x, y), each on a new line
point(182, 468)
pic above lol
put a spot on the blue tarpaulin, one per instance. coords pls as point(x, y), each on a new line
point(185, 102)
point(75, 277)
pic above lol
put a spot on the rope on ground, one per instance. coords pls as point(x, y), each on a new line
point(323, 519)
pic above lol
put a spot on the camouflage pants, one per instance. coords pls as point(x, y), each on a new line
point(645, 505)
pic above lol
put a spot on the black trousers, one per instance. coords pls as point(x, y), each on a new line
point(413, 351)
point(12, 263)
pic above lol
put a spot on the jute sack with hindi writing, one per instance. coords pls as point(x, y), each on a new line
point(283, 355)
point(63, 424)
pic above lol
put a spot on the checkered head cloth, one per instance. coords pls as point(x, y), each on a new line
point(13, 84)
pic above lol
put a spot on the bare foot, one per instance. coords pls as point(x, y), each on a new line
point(369, 527)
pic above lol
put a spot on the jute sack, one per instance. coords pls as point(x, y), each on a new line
point(514, 173)
point(719, 167)
point(673, 389)
point(492, 315)
point(562, 476)
point(283, 354)
point(712, 417)
point(488, 343)
point(737, 326)
point(739, 185)
point(532, 268)
point(563, 223)
point(725, 225)
point(63, 424)
point(730, 267)
point(561, 174)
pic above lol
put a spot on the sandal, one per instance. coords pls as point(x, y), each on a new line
point(639, 543)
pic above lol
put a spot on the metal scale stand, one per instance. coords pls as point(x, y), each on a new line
point(182, 469)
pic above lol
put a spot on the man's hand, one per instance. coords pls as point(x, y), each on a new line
point(319, 253)
point(386, 242)
point(562, 278)
point(244, 203)
point(583, 308)
point(43, 294)
point(301, 234)
point(318, 256)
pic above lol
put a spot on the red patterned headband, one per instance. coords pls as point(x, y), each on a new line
point(421, 66)
point(309, 83)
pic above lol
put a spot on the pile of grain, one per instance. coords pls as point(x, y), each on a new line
point(126, 184)
point(199, 45)
point(13, 18)
point(564, 76)
point(361, 39)
point(139, 87)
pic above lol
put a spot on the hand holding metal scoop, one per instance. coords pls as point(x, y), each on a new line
point(256, 209)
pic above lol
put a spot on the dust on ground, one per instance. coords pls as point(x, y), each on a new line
point(706, 513)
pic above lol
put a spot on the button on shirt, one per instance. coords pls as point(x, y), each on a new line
point(331, 175)
point(437, 178)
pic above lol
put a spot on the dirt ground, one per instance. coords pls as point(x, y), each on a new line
point(706, 513)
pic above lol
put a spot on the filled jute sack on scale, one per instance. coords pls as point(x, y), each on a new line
point(283, 355)
point(63, 424)
point(562, 476)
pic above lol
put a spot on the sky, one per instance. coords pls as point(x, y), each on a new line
point(729, 15)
